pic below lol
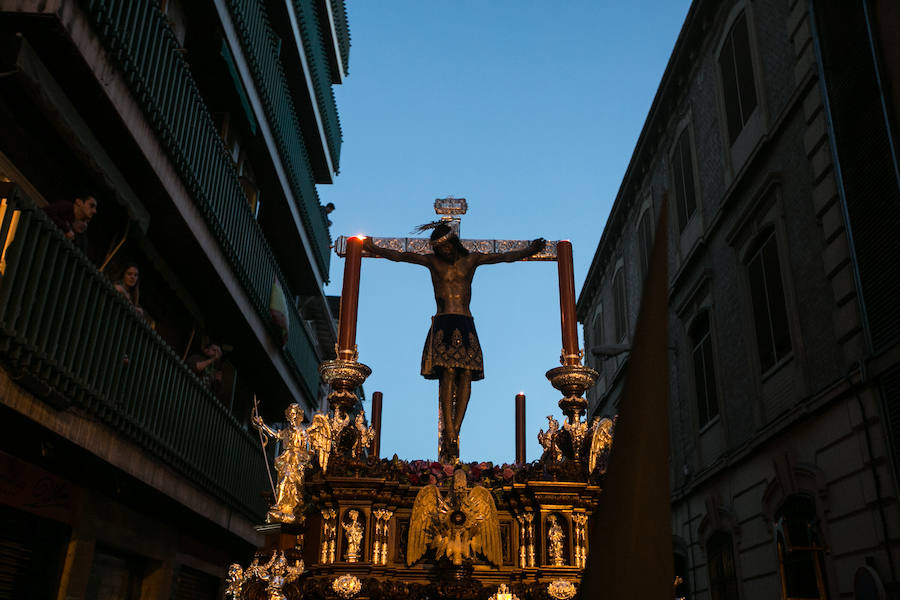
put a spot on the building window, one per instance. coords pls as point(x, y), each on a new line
point(618, 290)
point(683, 180)
point(738, 85)
point(645, 240)
point(800, 550)
point(773, 337)
point(723, 583)
point(704, 371)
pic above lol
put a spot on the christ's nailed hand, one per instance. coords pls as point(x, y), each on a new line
point(368, 245)
point(537, 245)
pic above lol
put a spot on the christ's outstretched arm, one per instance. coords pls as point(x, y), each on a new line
point(498, 257)
point(408, 257)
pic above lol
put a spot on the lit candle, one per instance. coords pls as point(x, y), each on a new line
point(376, 423)
point(567, 302)
point(520, 428)
point(350, 299)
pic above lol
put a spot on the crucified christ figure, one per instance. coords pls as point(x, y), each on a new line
point(452, 353)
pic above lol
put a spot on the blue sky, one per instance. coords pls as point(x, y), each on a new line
point(530, 111)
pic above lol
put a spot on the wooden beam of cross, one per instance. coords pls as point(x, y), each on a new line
point(449, 210)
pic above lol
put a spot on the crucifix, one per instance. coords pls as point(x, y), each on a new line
point(452, 353)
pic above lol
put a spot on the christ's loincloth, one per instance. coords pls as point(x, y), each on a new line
point(452, 342)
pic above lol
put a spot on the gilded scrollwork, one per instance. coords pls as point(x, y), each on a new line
point(346, 586)
point(561, 589)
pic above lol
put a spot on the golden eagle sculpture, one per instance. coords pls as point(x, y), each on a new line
point(458, 526)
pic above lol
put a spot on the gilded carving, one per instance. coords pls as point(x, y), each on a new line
point(458, 526)
point(346, 586)
point(503, 593)
point(601, 441)
point(580, 521)
point(561, 589)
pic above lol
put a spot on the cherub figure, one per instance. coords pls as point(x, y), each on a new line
point(291, 464)
point(548, 439)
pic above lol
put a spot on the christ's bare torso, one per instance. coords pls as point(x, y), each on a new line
point(452, 283)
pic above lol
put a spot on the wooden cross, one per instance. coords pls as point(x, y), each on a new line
point(449, 210)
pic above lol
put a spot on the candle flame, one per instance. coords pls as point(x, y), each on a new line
point(360, 236)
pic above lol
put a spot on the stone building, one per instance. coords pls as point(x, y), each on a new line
point(199, 131)
point(773, 139)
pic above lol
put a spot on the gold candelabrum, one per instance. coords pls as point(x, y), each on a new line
point(573, 379)
point(343, 374)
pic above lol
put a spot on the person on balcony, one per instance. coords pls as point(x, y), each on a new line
point(128, 286)
point(72, 218)
point(207, 366)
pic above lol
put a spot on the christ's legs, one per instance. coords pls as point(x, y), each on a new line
point(446, 392)
point(463, 391)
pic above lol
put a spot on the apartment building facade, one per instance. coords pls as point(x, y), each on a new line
point(201, 130)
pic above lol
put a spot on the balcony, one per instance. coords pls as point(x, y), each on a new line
point(263, 51)
point(68, 337)
point(139, 39)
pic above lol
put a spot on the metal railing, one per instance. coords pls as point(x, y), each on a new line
point(264, 57)
point(138, 37)
point(71, 339)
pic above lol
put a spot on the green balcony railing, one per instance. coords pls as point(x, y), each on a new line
point(138, 37)
point(263, 55)
point(72, 339)
point(339, 11)
point(317, 58)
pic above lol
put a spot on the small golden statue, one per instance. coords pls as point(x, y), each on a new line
point(291, 463)
point(354, 531)
point(548, 439)
point(234, 582)
point(365, 437)
point(457, 527)
point(555, 537)
point(276, 574)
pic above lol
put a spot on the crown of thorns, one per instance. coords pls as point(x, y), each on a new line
point(436, 236)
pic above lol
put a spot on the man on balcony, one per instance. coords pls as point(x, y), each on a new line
point(72, 218)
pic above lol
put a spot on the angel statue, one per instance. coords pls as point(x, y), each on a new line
point(601, 441)
point(277, 573)
point(234, 581)
point(458, 526)
point(548, 439)
point(365, 437)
